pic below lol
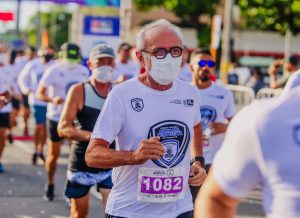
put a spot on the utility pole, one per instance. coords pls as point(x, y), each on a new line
point(18, 18)
point(226, 36)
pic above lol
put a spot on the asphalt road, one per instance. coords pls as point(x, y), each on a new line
point(22, 188)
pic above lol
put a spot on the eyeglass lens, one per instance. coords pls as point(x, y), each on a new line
point(203, 63)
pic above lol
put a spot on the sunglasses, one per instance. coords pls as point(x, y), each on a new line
point(203, 63)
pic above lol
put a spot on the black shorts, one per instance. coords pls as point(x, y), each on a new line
point(189, 214)
point(15, 103)
point(75, 190)
point(25, 101)
point(4, 120)
point(52, 131)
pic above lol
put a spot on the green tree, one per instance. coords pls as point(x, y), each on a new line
point(273, 15)
point(56, 22)
point(188, 10)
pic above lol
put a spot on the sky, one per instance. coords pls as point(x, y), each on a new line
point(28, 8)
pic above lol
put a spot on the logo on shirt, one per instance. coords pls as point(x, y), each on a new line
point(221, 97)
point(208, 115)
point(137, 104)
point(296, 134)
point(188, 102)
point(175, 137)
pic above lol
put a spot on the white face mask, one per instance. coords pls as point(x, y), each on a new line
point(164, 71)
point(103, 74)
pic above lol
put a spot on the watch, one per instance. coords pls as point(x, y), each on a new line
point(198, 158)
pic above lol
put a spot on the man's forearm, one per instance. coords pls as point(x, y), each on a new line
point(196, 146)
point(74, 134)
point(101, 157)
point(44, 97)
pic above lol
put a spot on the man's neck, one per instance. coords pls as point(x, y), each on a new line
point(147, 80)
point(203, 85)
point(102, 88)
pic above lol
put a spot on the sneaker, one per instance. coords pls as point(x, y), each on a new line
point(49, 193)
point(42, 157)
point(10, 138)
point(34, 158)
point(1, 168)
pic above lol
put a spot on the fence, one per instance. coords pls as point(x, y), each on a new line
point(245, 95)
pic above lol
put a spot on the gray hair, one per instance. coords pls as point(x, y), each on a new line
point(140, 38)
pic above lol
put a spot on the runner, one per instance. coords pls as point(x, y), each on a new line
point(185, 73)
point(216, 106)
point(125, 68)
point(28, 82)
point(292, 83)
point(154, 118)
point(5, 109)
point(261, 148)
point(53, 89)
point(20, 63)
point(83, 105)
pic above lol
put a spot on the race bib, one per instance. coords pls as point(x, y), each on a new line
point(206, 140)
point(160, 185)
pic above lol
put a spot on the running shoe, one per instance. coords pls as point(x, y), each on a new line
point(34, 158)
point(1, 168)
point(42, 157)
point(10, 138)
point(49, 193)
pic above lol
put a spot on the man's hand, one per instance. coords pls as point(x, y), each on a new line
point(273, 70)
point(3, 101)
point(148, 149)
point(218, 128)
point(197, 174)
point(58, 100)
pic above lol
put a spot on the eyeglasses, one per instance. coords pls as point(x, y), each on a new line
point(161, 53)
point(203, 63)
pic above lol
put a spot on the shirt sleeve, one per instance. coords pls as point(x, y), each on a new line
point(110, 120)
point(197, 118)
point(47, 78)
point(3, 85)
point(24, 79)
point(293, 81)
point(230, 109)
point(236, 167)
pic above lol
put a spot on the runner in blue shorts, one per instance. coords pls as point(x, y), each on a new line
point(28, 82)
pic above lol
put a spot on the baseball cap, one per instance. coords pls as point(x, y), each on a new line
point(101, 51)
point(71, 52)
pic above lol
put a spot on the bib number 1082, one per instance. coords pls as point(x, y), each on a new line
point(154, 185)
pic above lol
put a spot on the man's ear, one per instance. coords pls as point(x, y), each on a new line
point(191, 68)
point(89, 64)
point(140, 57)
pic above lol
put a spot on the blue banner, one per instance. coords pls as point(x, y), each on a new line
point(102, 26)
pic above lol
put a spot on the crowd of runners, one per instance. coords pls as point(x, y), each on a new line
point(146, 126)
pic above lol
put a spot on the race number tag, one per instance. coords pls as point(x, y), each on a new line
point(160, 185)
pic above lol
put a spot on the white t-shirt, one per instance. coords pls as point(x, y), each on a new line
point(30, 77)
point(216, 105)
point(12, 73)
point(58, 79)
point(4, 87)
point(133, 112)
point(185, 73)
point(131, 69)
point(262, 147)
point(293, 82)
